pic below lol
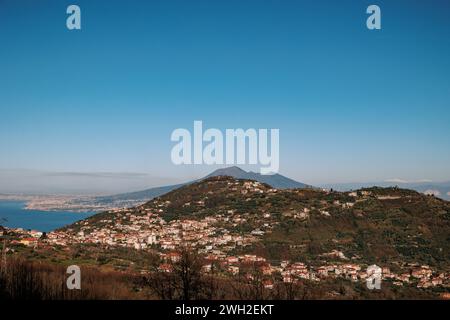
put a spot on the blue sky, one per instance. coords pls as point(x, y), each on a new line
point(352, 105)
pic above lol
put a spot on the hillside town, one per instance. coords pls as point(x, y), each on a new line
point(226, 237)
point(246, 265)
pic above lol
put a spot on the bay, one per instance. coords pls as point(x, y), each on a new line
point(14, 215)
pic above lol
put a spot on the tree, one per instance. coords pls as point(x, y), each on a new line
point(188, 271)
point(181, 279)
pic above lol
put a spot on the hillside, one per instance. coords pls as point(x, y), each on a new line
point(387, 226)
point(438, 189)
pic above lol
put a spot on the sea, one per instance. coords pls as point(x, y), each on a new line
point(14, 215)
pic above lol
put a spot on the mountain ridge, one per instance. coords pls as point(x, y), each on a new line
point(438, 189)
point(275, 181)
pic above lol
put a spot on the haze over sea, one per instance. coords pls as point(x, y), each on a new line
point(18, 217)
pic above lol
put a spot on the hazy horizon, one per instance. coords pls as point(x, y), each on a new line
point(106, 183)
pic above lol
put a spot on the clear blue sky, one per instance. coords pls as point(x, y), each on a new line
point(351, 104)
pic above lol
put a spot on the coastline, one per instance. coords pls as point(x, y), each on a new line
point(15, 214)
point(52, 203)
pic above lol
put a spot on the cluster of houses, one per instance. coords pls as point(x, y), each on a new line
point(249, 265)
point(216, 244)
point(143, 227)
point(148, 230)
point(422, 275)
point(29, 238)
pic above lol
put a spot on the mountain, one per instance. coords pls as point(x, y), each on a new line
point(276, 181)
point(391, 227)
point(239, 232)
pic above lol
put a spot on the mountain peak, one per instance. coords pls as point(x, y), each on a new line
point(275, 180)
point(233, 171)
